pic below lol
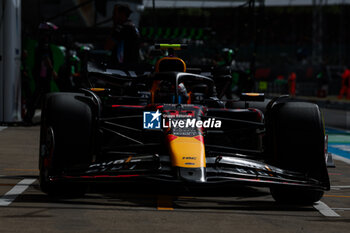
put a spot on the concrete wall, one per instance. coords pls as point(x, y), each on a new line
point(10, 85)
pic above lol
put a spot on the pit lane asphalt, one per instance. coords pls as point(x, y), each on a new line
point(153, 209)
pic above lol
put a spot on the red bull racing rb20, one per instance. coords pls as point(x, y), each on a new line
point(170, 126)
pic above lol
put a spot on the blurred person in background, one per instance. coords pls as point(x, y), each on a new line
point(43, 71)
point(223, 75)
point(292, 84)
point(345, 84)
point(124, 40)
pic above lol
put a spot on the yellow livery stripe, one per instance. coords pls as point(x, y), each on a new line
point(188, 152)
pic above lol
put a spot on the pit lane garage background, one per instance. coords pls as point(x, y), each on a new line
point(270, 39)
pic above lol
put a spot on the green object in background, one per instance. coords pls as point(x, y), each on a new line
point(150, 33)
point(30, 46)
point(58, 56)
point(263, 86)
point(192, 33)
point(281, 81)
point(338, 138)
point(175, 33)
point(159, 33)
point(221, 63)
point(143, 32)
point(200, 34)
point(235, 80)
point(167, 33)
point(183, 33)
point(77, 63)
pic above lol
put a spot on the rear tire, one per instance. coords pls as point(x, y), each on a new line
point(65, 142)
point(296, 142)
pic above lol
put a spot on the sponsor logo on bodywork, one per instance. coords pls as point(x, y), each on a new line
point(155, 120)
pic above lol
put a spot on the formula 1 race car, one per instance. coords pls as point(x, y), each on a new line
point(169, 126)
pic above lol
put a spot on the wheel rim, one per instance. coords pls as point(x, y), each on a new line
point(47, 150)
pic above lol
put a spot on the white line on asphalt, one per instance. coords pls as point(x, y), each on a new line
point(19, 188)
point(337, 157)
point(337, 187)
point(2, 128)
point(344, 209)
point(325, 210)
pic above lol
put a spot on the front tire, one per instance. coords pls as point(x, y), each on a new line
point(296, 142)
point(65, 141)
